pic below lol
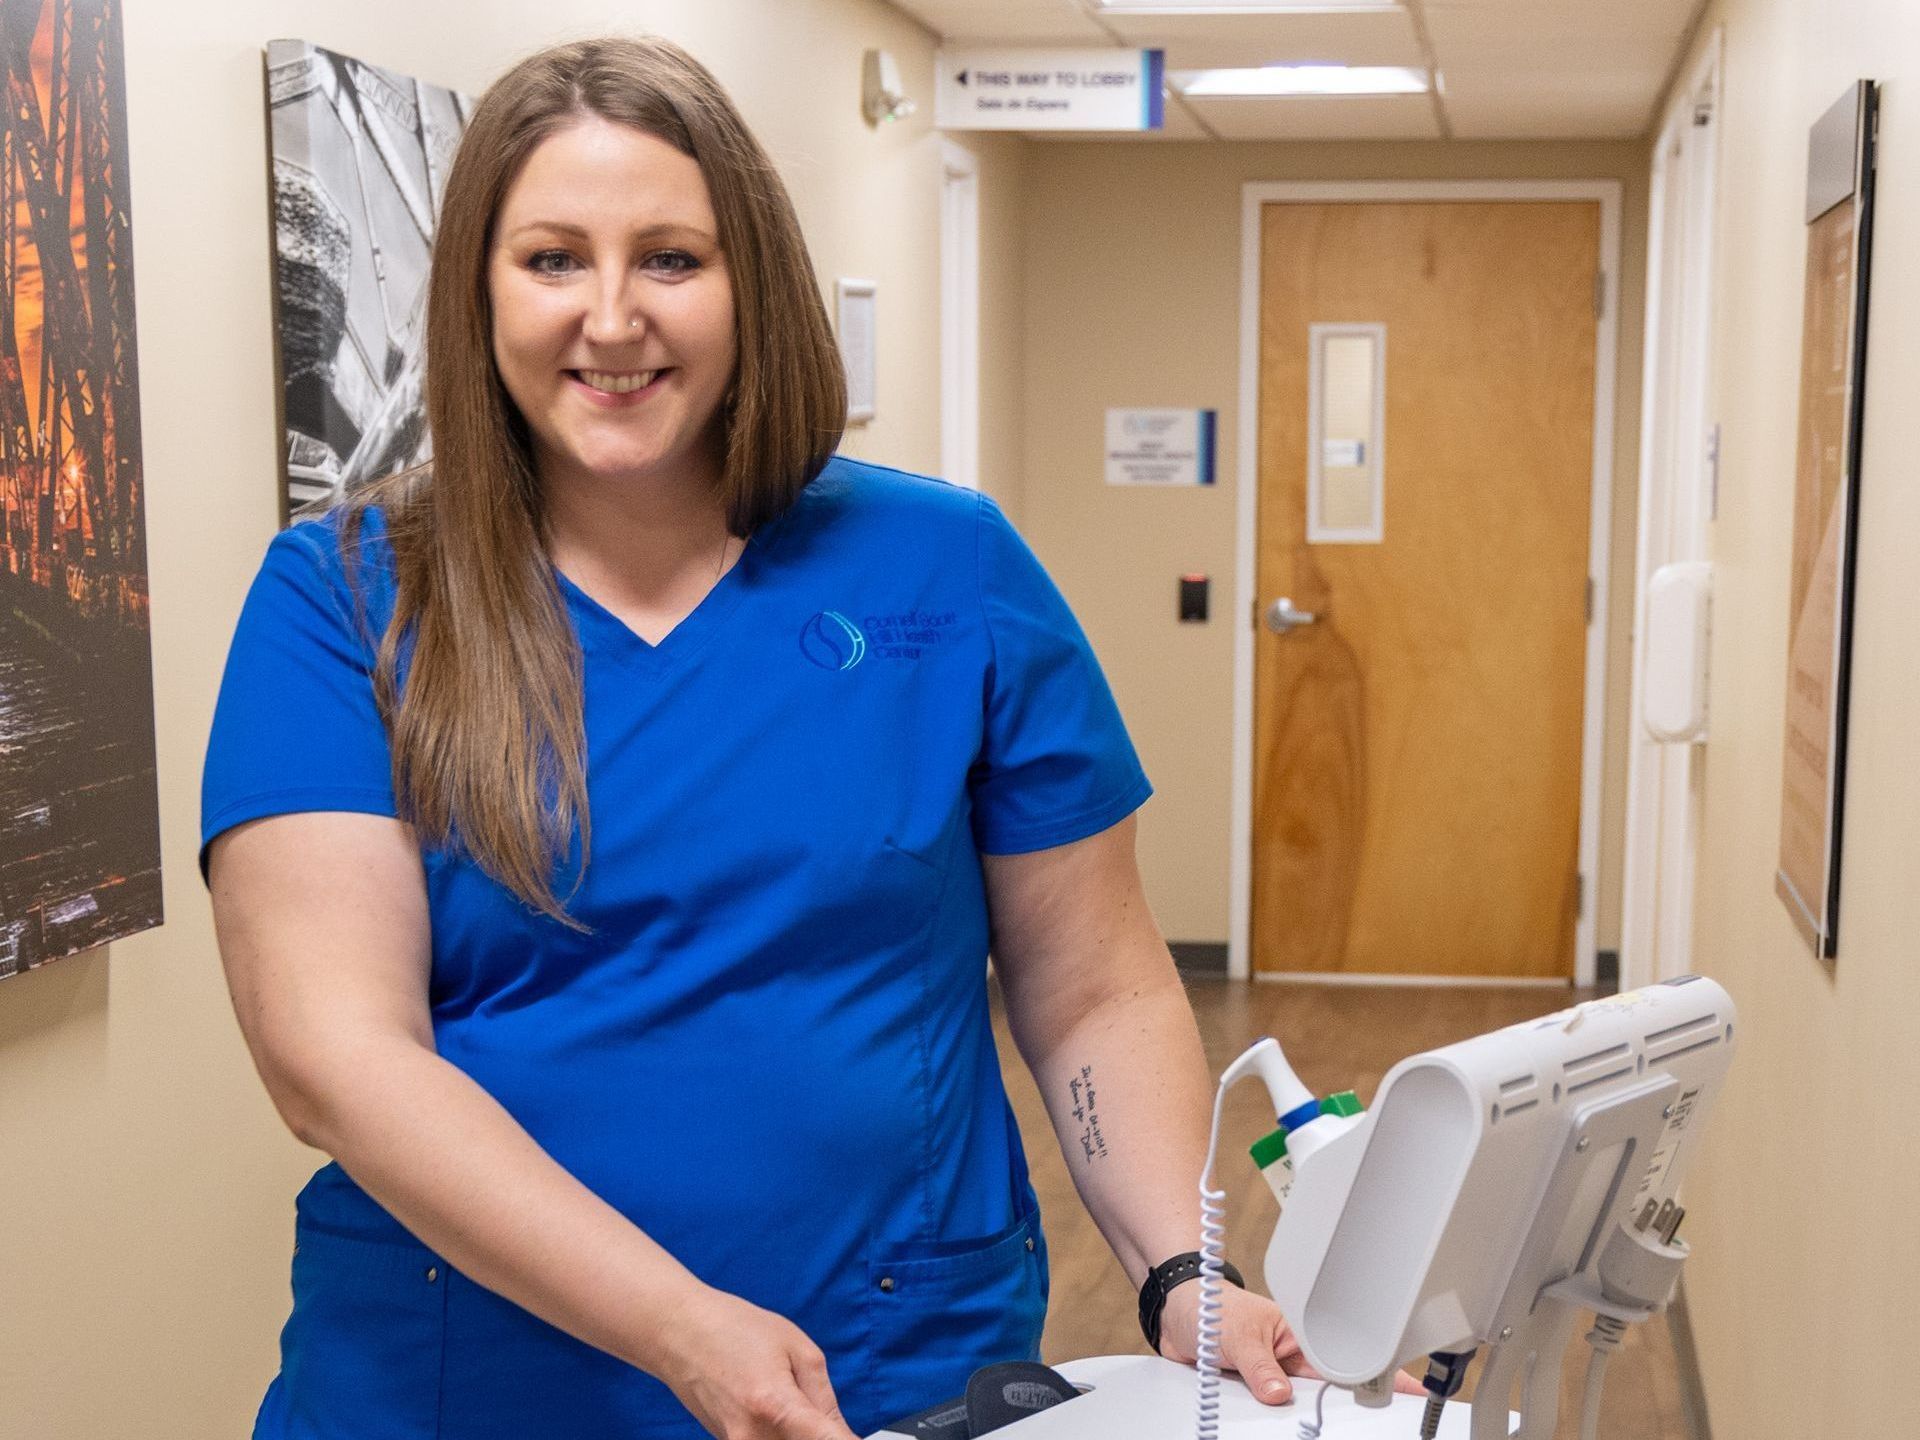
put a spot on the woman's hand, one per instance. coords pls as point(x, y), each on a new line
point(1256, 1343)
point(748, 1374)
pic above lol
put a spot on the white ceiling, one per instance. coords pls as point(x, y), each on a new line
point(1507, 69)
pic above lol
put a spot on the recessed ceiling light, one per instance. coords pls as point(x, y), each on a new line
point(1303, 80)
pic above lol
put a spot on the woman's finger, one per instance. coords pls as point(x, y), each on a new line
point(810, 1374)
point(1287, 1351)
point(1252, 1352)
point(1294, 1363)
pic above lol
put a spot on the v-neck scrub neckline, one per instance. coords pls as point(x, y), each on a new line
point(600, 630)
point(771, 1048)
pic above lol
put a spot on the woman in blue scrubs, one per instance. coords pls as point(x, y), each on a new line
point(607, 829)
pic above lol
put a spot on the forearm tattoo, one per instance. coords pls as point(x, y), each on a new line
point(1086, 1114)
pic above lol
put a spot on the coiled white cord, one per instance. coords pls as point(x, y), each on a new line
point(1264, 1058)
point(1213, 1245)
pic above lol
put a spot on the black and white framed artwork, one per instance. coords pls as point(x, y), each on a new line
point(360, 160)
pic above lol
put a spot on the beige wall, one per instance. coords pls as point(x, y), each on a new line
point(147, 1184)
point(1133, 298)
point(1802, 1212)
point(1003, 167)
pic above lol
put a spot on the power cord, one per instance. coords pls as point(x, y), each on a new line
point(1605, 1339)
point(1446, 1372)
point(1310, 1429)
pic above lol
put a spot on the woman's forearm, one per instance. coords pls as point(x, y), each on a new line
point(460, 1173)
point(1127, 1090)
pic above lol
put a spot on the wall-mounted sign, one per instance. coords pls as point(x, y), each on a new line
point(1160, 447)
point(1826, 511)
point(1050, 90)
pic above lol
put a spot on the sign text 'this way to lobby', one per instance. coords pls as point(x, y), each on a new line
point(1050, 90)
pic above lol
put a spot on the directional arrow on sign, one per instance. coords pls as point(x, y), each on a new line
point(963, 77)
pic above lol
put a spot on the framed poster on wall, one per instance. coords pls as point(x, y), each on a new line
point(360, 160)
point(1826, 511)
point(79, 808)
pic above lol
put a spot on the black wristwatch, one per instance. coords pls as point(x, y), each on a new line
point(1162, 1279)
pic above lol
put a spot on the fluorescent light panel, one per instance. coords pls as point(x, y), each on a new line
point(1303, 80)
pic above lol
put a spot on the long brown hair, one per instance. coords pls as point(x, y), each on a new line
point(488, 733)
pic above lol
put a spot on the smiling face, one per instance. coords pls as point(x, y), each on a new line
point(612, 309)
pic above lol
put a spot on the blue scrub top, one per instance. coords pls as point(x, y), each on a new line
point(773, 1052)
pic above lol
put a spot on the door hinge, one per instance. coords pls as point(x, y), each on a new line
point(1599, 294)
point(1579, 896)
point(1589, 599)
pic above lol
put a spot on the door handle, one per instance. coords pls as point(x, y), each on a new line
point(1282, 616)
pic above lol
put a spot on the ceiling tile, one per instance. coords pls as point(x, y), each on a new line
point(1200, 42)
point(1320, 117)
point(1594, 104)
point(1611, 118)
point(1574, 42)
point(1017, 22)
point(1636, 14)
point(1552, 70)
point(1583, 87)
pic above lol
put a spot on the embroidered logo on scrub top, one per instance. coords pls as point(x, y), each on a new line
point(908, 635)
point(832, 641)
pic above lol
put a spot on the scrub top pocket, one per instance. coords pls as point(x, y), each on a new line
point(360, 1356)
point(942, 1311)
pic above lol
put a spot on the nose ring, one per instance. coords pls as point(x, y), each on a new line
point(633, 324)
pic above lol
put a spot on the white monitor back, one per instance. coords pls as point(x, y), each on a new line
point(1490, 1170)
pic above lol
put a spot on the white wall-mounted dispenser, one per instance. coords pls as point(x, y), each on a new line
point(1679, 621)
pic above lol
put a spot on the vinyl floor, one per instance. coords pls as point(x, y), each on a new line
point(1338, 1038)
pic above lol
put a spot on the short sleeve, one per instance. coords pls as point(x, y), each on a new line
point(1055, 763)
point(296, 726)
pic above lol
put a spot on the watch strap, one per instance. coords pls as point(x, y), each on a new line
point(1163, 1279)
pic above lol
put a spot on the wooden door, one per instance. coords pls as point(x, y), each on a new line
point(1417, 748)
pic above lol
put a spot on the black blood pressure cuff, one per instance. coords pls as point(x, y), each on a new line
point(997, 1395)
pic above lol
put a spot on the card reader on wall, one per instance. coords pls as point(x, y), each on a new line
point(1678, 619)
